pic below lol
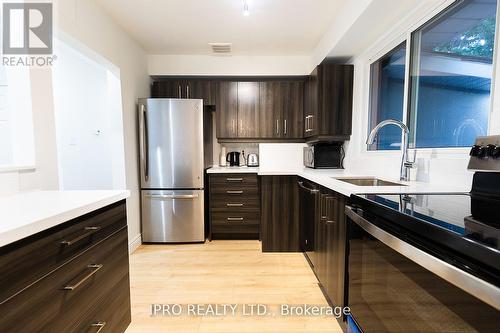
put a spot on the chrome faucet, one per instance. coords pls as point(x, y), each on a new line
point(406, 164)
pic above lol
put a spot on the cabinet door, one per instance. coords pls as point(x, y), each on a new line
point(271, 109)
point(202, 89)
point(168, 89)
point(335, 230)
point(293, 109)
point(279, 214)
point(227, 109)
point(248, 109)
point(311, 111)
point(336, 93)
point(320, 239)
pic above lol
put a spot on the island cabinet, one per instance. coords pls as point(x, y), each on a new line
point(280, 214)
point(328, 103)
point(234, 206)
point(73, 277)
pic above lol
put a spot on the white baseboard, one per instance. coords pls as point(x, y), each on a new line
point(134, 244)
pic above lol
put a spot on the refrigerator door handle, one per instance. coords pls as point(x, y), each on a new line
point(145, 143)
point(172, 196)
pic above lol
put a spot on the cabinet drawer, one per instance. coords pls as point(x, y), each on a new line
point(26, 261)
point(236, 218)
point(56, 302)
point(234, 202)
point(234, 189)
point(111, 312)
point(235, 229)
point(234, 179)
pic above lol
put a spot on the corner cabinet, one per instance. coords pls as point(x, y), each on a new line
point(73, 277)
point(279, 214)
point(328, 105)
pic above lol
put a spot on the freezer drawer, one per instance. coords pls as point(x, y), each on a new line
point(173, 216)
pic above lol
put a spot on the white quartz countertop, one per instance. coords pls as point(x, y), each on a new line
point(228, 169)
point(326, 178)
point(27, 213)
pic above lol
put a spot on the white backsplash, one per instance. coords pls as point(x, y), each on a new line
point(281, 156)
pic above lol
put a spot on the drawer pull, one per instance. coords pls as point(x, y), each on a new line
point(88, 231)
point(231, 219)
point(234, 205)
point(99, 325)
point(93, 270)
point(234, 179)
point(234, 192)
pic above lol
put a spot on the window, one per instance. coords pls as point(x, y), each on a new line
point(387, 94)
point(451, 68)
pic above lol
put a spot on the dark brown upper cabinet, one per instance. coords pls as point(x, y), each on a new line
point(281, 109)
point(227, 110)
point(185, 88)
point(248, 110)
point(328, 106)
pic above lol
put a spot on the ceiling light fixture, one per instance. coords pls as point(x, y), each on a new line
point(246, 11)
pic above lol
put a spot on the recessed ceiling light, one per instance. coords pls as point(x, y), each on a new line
point(246, 11)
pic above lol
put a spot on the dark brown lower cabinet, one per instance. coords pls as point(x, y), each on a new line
point(87, 292)
point(330, 245)
point(280, 214)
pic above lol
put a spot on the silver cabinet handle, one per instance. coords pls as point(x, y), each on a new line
point(99, 325)
point(93, 269)
point(234, 192)
point(311, 191)
point(234, 219)
point(180, 91)
point(145, 142)
point(284, 130)
point(187, 91)
point(234, 205)
point(234, 179)
point(88, 231)
point(277, 126)
point(172, 196)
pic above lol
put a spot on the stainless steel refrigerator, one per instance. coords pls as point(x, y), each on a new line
point(172, 141)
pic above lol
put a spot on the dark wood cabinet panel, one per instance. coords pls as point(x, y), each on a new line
point(248, 110)
point(330, 245)
point(57, 301)
point(173, 88)
point(293, 109)
point(202, 89)
point(271, 106)
point(234, 203)
point(25, 261)
point(329, 93)
point(279, 214)
point(227, 110)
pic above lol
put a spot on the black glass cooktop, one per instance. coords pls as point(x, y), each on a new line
point(457, 213)
point(451, 226)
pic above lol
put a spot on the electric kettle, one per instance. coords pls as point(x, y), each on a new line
point(233, 158)
point(253, 160)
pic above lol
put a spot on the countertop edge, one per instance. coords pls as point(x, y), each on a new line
point(27, 230)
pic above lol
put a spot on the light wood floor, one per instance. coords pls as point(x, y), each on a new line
point(222, 272)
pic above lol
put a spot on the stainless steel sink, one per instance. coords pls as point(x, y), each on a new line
point(368, 181)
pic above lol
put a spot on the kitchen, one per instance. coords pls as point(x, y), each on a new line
point(252, 166)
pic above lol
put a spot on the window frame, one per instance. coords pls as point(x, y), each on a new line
point(398, 36)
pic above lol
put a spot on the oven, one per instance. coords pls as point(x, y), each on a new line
point(395, 286)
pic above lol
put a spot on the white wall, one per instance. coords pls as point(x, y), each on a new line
point(228, 65)
point(88, 24)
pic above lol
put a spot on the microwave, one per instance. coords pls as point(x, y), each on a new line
point(324, 156)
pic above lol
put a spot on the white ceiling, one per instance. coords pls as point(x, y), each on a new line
point(274, 27)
